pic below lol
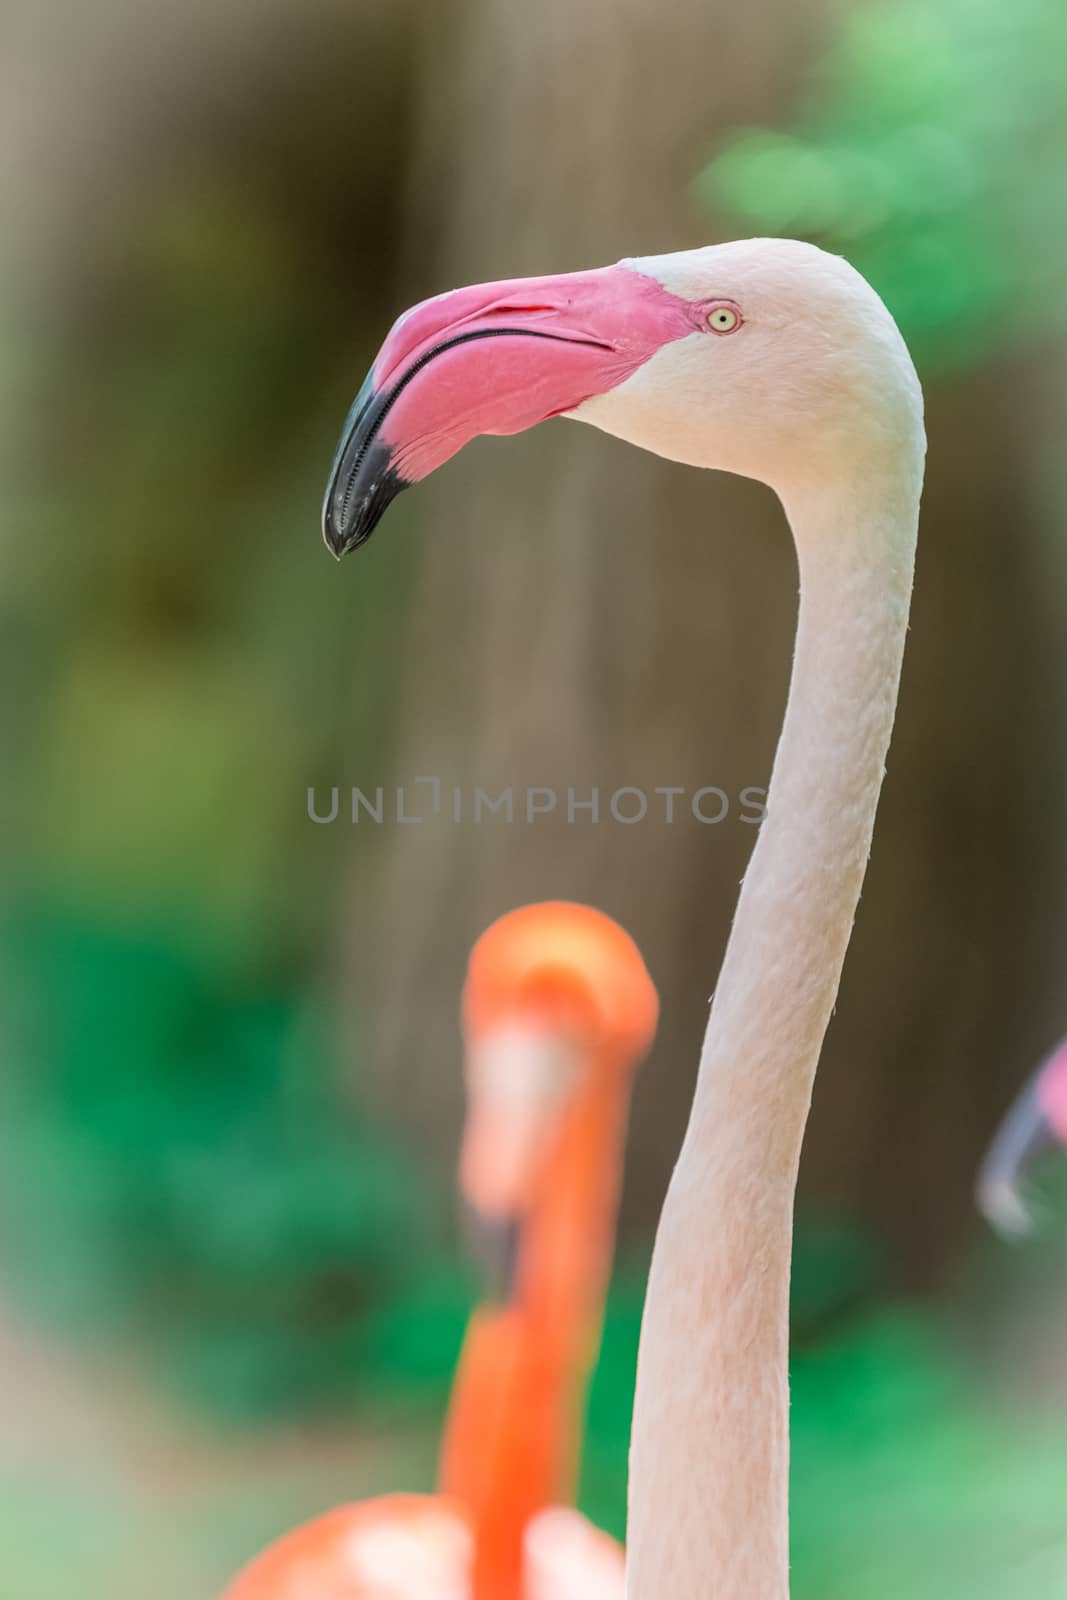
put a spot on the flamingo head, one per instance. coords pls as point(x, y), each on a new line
point(766, 357)
point(558, 1010)
point(1036, 1123)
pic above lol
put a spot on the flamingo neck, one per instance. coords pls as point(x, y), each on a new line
point(512, 1435)
point(710, 1446)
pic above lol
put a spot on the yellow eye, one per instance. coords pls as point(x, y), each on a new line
point(723, 319)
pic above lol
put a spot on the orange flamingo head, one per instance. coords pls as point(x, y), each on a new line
point(558, 1008)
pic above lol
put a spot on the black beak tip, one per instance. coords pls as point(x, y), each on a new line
point(495, 1242)
point(358, 497)
point(338, 538)
point(363, 480)
point(333, 538)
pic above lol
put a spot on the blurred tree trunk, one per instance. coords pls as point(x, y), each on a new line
point(953, 986)
point(586, 615)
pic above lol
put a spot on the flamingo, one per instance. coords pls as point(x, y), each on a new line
point(558, 1011)
point(1037, 1120)
point(771, 359)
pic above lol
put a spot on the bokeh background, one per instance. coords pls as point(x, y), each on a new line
point(231, 1288)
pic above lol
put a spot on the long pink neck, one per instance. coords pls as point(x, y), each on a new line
point(710, 1451)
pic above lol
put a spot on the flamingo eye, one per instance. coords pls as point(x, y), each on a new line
point(724, 318)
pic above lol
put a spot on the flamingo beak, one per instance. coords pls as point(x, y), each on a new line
point(519, 1082)
point(494, 359)
point(1036, 1123)
point(363, 481)
point(495, 1243)
point(501, 1160)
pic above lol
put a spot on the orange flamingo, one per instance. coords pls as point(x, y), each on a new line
point(558, 1010)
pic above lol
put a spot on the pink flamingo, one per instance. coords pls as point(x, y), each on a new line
point(1036, 1121)
point(558, 1009)
point(777, 361)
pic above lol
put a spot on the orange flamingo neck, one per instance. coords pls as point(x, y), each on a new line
point(511, 1437)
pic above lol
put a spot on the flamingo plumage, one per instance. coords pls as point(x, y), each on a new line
point(771, 359)
point(558, 1010)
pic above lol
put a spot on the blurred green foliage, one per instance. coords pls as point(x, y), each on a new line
point(908, 1479)
point(181, 1159)
point(172, 1162)
point(929, 150)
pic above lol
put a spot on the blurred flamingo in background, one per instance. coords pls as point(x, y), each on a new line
point(1036, 1122)
point(771, 359)
point(558, 1010)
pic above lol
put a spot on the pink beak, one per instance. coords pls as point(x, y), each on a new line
point(496, 358)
